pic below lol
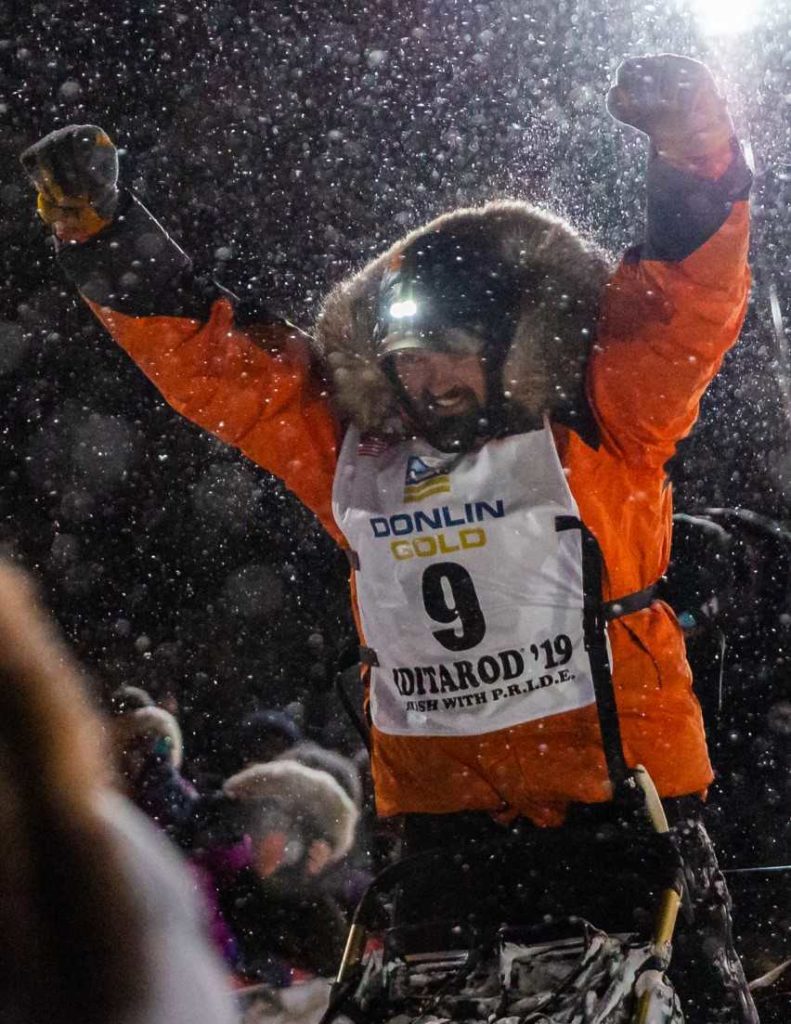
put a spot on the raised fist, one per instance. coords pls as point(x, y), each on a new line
point(675, 101)
point(75, 171)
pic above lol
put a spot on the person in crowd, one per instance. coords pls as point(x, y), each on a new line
point(261, 736)
point(130, 698)
point(483, 422)
point(148, 749)
point(350, 875)
point(320, 758)
point(285, 824)
point(97, 921)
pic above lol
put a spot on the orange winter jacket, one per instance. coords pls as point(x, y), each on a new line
point(666, 322)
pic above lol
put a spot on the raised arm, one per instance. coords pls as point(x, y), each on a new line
point(252, 384)
point(676, 303)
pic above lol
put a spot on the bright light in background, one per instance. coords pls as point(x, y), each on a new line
point(726, 17)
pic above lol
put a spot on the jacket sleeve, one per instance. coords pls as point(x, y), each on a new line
point(252, 384)
point(673, 308)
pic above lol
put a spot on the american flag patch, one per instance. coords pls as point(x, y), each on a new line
point(372, 446)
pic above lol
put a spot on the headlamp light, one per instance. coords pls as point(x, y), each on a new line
point(446, 293)
point(403, 309)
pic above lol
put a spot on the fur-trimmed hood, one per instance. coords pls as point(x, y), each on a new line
point(561, 276)
point(342, 769)
point(153, 722)
point(315, 803)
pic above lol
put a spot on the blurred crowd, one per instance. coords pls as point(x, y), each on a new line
point(275, 841)
point(152, 914)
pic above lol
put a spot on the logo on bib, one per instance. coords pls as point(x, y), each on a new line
point(424, 476)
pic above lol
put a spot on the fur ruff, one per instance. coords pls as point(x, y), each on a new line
point(562, 278)
point(312, 798)
point(341, 768)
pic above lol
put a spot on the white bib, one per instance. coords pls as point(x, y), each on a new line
point(469, 596)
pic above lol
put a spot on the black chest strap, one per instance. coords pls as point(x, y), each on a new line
point(596, 614)
point(631, 603)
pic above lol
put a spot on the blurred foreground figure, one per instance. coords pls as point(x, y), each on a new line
point(483, 423)
point(97, 920)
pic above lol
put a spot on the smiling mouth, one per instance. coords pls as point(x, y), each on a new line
point(448, 402)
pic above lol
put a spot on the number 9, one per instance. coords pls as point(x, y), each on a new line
point(449, 596)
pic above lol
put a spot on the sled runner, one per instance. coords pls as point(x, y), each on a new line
point(559, 973)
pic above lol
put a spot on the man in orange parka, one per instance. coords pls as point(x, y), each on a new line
point(491, 453)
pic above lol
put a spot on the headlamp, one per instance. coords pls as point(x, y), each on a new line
point(403, 309)
point(446, 293)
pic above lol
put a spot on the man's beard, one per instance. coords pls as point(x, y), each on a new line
point(455, 432)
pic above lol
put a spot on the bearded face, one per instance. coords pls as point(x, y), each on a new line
point(445, 392)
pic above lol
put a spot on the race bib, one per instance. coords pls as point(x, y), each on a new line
point(469, 595)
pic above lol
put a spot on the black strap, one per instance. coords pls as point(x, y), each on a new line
point(635, 602)
point(368, 657)
point(619, 606)
point(594, 620)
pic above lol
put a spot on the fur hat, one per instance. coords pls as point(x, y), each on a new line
point(312, 799)
point(561, 275)
point(341, 768)
point(149, 722)
point(129, 698)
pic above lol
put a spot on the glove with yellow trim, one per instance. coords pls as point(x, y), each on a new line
point(75, 171)
point(675, 101)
